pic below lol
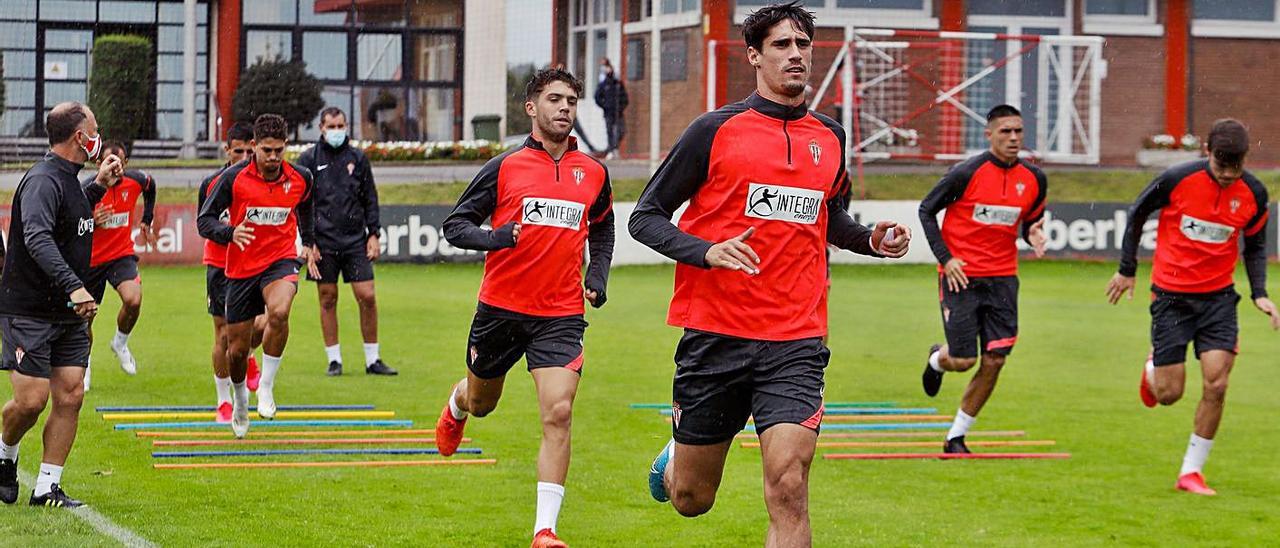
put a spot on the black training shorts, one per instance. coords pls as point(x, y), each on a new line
point(34, 347)
point(352, 262)
point(114, 272)
point(986, 312)
point(500, 337)
point(244, 296)
point(1209, 319)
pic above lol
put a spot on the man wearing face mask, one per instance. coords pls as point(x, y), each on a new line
point(43, 301)
point(347, 225)
point(611, 97)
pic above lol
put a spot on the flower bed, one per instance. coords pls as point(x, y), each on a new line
point(408, 151)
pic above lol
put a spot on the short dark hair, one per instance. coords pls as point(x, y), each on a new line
point(544, 77)
point(1229, 141)
point(63, 121)
point(755, 28)
point(270, 126)
point(1002, 111)
point(331, 111)
point(116, 145)
point(240, 131)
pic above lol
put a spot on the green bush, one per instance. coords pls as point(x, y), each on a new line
point(120, 88)
point(278, 87)
point(517, 78)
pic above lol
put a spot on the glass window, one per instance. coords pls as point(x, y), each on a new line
point(68, 10)
point(378, 113)
point(169, 39)
point(19, 9)
point(268, 12)
point(1044, 8)
point(169, 67)
point(675, 55)
point(691, 5)
point(173, 12)
point(20, 93)
point(431, 114)
point(334, 96)
point(268, 44)
point(380, 13)
point(169, 125)
point(579, 12)
point(77, 64)
point(20, 64)
point(17, 35)
point(1116, 7)
point(435, 13)
point(127, 12)
point(1236, 10)
point(435, 57)
point(378, 57)
point(670, 6)
point(329, 12)
point(60, 92)
point(18, 122)
point(600, 11)
point(636, 56)
point(600, 47)
point(882, 4)
point(325, 54)
point(169, 96)
point(78, 40)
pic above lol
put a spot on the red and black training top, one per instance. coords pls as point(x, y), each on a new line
point(279, 211)
point(560, 205)
point(1198, 236)
point(755, 163)
point(114, 238)
point(988, 204)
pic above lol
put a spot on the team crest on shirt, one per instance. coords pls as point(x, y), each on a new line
point(125, 195)
point(1020, 187)
point(578, 175)
point(675, 414)
point(815, 150)
point(351, 169)
point(19, 353)
point(1235, 205)
point(474, 354)
point(287, 184)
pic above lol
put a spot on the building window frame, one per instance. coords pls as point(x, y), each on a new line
point(1122, 25)
point(1237, 28)
point(829, 15)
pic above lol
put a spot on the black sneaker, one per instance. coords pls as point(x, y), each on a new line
point(931, 379)
point(56, 498)
point(379, 368)
point(956, 445)
point(8, 481)
point(335, 369)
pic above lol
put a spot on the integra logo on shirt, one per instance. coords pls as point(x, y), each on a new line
point(272, 216)
point(996, 215)
point(1205, 231)
point(783, 203)
point(116, 221)
point(549, 212)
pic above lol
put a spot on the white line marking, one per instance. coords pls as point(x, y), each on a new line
point(98, 521)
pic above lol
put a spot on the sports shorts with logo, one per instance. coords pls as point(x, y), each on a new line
point(985, 313)
point(244, 296)
point(499, 337)
point(116, 272)
point(352, 262)
point(722, 381)
point(1209, 319)
point(215, 286)
point(33, 347)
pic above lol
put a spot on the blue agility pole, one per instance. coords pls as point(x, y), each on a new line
point(275, 452)
point(257, 423)
point(891, 426)
point(861, 411)
point(131, 409)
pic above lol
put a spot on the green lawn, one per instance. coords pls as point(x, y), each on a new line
point(1072, 379)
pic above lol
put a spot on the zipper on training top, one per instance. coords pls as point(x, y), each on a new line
point(788, 136)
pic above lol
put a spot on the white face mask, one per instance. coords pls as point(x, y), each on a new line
point(335, 137)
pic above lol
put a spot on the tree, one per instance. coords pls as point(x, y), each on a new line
point(278, 87)
point(517, 77)
point(121, 86)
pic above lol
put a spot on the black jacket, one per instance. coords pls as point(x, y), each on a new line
point(50, 242)
point(611, 96)
point(346, 200)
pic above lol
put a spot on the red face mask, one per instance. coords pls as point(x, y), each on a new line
point(93, 147)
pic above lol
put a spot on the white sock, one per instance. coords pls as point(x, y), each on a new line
point(933, 361)
point(120, 340)
point(223, 386)
point(550, 495)
point(8, 451)
point(458, 414)
point(242, 395)
point(49, 475)
point(1151, 373)
point(1197, 452)
point(370, 353)
point(334, 353)
point(961, 425)
point(88, 368)
point(270, 366)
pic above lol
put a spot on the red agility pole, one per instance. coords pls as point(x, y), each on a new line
point(945, 456)
point(308, 441)
point(874, 444)
point(332, 464)
point(878, 435)
point(286, 434)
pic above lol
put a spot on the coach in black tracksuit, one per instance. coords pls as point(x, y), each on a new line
point(347, 225)
point(43, 302)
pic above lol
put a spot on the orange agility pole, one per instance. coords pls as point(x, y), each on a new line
point(881, 435)
point(306, 441)
point(945, 456)
point(330, 464)
point(286, 434)
point(975, 443)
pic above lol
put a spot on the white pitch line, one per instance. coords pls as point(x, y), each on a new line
point(100, 522)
